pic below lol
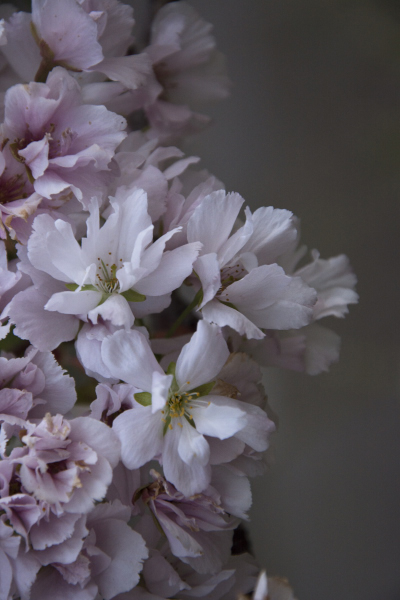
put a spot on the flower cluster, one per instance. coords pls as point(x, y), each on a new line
point(116, 250)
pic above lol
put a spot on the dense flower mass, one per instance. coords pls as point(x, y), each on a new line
point(138, 270)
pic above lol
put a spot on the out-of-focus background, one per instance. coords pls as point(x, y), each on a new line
point(313, 126)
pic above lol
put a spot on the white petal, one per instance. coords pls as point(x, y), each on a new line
point(202, 358)
point(208, 269)
point(128, 356)
point(73, 303)
point(44, 329)
point(274, 234)
point(212, 221)
point(222, 315)
point(116, 310)
point(173, 269)
point(159, 390)
point(271, 299)
point(218, 419)
point(141, 436)
point(188, 479)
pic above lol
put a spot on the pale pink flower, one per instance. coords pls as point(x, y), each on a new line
point(67, 464)
point(242, 286)
point(197, 528)
point(61, 142)
point(79, 35)
point(188, 71)
point(179, 410)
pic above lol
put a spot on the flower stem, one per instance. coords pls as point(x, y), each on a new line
point(196, 300)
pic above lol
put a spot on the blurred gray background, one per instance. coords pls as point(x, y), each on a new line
point(313, 126)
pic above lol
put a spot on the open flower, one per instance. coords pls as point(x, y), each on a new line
point(177, 410)
point(117, 273)
point(61, 142)
point(67, 465)
point(242, 286)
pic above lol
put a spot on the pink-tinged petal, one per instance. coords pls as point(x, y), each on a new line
point(88, 350)
point(222, 315)
point(224, 451)
point(202, 358)
point(6, 575)
point(21, 50)
point(173, 269)
point(51, 585)
point(218, 419)
point(161, 578)
point(178, 167)
point(98, 436)
point(36, 156)
point(53, 529)
point(40, 254)
point(65, 252)
point(132, 71)
point(141, 436)
point(187, 478)
point(208, 269)
point(127, 550)
point(152, 305)
point(59, 393)
point(52, 183)
point(116, 310)
point(25, 571)
point(271, 299)
point(44, 329)
point(74, 303)
point(94, 487)
point(322, 348)
point(258, 427)
point(128, 357)
point(234, 244)
point(182, 544)
point(275, 233)
point(212, 221)
point(69, 31)
point(234, 490)
point(335, 283)
point(159, 390)
point(15, 402)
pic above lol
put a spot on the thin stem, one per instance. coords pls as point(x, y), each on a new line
point(196, 300)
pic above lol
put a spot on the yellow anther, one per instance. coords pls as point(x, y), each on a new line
point(170, 426)
point(180, 424)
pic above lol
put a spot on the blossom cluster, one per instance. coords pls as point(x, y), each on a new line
point(116, 247)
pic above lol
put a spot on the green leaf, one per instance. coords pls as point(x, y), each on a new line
point(144, 398)
point(133, 296)
point(71, 286)
point(204, 389)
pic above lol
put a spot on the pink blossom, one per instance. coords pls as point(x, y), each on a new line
point(61, 141)
point(68, 464)
point(188, 523)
